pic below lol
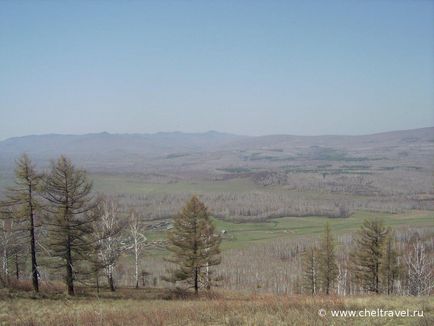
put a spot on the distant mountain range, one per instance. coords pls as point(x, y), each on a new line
point(105, 149)
point(104, 142)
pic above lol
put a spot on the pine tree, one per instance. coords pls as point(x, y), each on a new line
point(328, 269)
point(194, 246)
point(368, 254)
point(310, 265)
point(23, 198)
point(68, 193)
point(389, 268)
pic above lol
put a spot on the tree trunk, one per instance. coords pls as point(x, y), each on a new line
point(377, 282)
point(208, 278)
point(111, 283)
point(196, 271)
point(69, 271)
point(17, 267)
point(5, 263)
point(97, 282)
point(136, 251)
point(110, 278)
point(35, 280)
point(196, 281)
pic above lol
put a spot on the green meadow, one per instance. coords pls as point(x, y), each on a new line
point(242, 234)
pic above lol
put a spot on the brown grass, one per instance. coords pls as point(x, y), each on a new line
point(149, 307)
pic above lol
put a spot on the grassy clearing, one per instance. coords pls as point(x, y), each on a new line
point(240, 234)
point(243, 234)
point(222, 309)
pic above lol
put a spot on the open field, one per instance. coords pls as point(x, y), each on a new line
point(223, 308)
point(240, 235)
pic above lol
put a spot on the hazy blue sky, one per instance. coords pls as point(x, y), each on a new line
point(247, 67)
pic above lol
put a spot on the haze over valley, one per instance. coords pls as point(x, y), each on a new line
point(300, 175)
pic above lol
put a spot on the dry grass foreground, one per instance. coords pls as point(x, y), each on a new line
point(160, 307)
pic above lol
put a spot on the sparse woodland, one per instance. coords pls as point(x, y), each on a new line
point(56, 229)
point(221, 163)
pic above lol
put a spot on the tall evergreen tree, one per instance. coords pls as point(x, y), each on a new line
point(23, 198)
point(368, 255)
point(328, 269)
point(310, 266)
point(389, 268)
point(194, 246)
point(68, 192)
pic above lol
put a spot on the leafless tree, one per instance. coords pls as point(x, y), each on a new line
point(108, 232)
point(419, 268)
point(138, 240)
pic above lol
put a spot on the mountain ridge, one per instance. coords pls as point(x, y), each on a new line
point(126, 150)
point(215, 132)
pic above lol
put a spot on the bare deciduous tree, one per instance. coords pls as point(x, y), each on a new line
point(419, 269)
point(311, 270)
point(12, 244)
point(138, 240)
point(108, 227)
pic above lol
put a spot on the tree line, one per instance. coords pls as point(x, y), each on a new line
point(58, 219)
point(375, 262)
